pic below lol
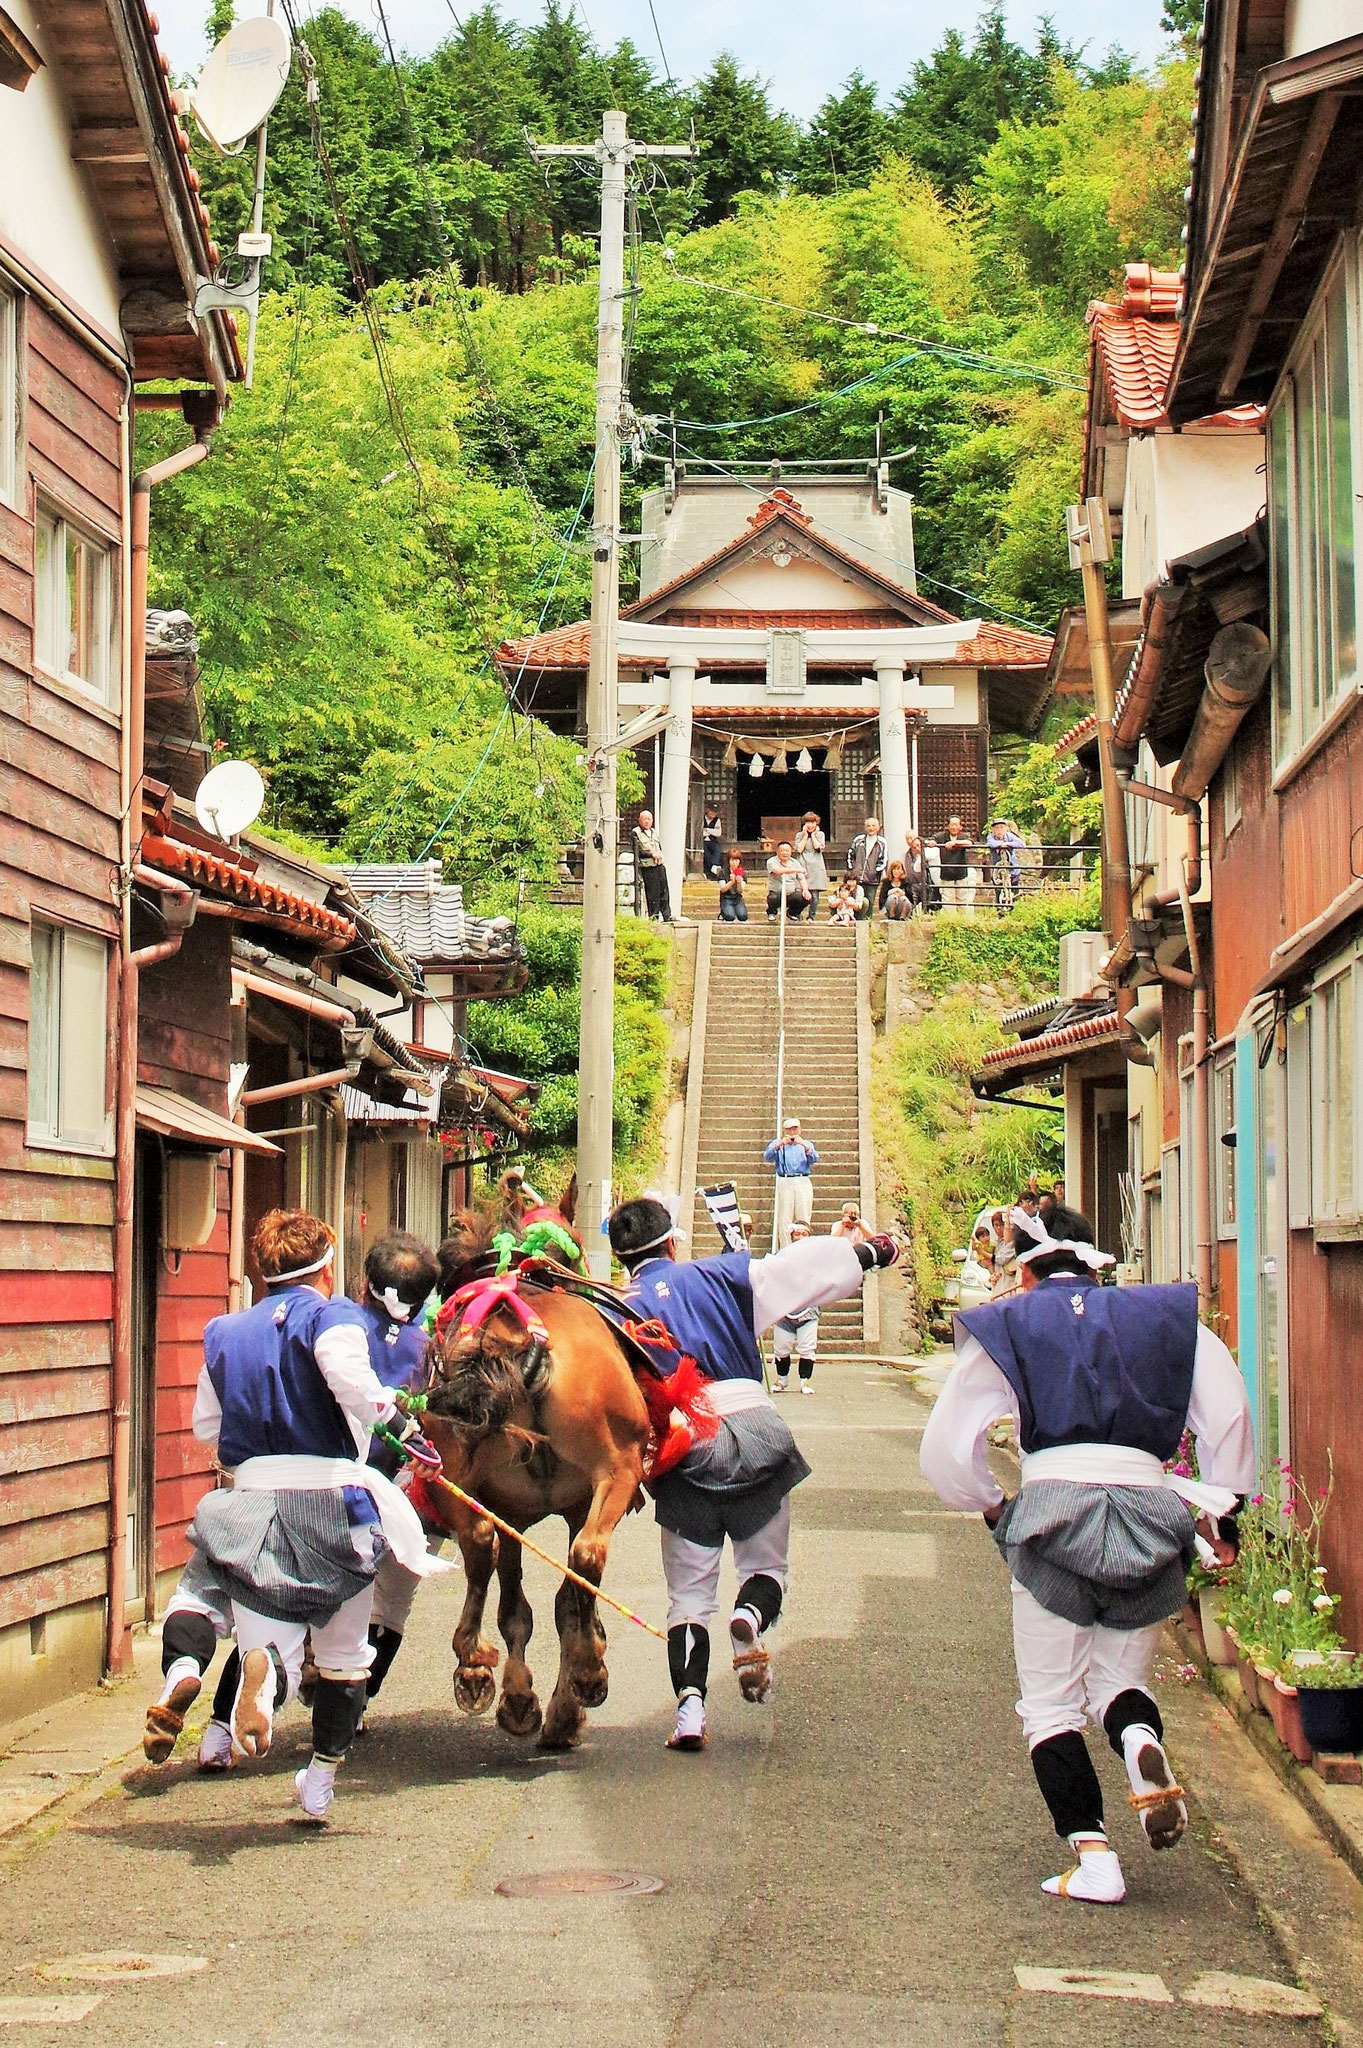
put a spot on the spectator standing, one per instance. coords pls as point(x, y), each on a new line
point(733, 908)
point(1000, 838)
point(955, 847)
point(866, 859)
point(796, 1333)
point(648, 859)
point(810, 846)
point(794, 1159)
point(712, 845)
point(893, 899)
point(786, 877)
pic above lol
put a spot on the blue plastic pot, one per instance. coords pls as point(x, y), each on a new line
point(1332, 1720)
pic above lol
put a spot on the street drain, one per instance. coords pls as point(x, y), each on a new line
point(118, 1966)
point(553, 1884)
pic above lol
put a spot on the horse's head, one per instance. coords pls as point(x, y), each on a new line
point(461, 1253)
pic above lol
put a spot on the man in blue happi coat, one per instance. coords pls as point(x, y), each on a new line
point(1100, 1383)
point(736, 1483)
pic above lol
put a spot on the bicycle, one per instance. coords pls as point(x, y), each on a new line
point(1005, 886)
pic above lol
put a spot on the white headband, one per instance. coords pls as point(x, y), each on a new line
point(1043, 1244)
point(302, 1272)
point(672, 1203)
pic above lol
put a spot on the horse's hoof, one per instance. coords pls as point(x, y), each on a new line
point(563, 1729)
point(592, 1691)
point(519, 1714)
point(475, 1689)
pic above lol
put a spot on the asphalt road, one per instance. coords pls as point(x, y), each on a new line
point(859, 1862)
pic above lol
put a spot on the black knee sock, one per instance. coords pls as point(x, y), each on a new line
point(1069, 1784)
point(1130, 1708)
point(225, 1696)
point(187, 1635)
point(806, 1368)
point(688, 1657)
point(387, 1642)
point(337, 1710)
point(763, 1594)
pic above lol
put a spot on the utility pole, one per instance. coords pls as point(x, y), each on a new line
point(614, 152)
point(1090, 544)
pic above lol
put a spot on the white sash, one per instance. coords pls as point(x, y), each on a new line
point(1123, 1465)
point(398, 1518)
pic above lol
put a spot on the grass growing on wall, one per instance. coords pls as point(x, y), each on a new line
point(1021, 948)
point(948, 1154)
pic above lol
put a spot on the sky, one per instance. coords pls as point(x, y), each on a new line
point(806, 48)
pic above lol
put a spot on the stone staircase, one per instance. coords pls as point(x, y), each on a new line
point(738, 1080)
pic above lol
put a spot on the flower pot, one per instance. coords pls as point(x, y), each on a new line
point(1249, 1684)
point(1285, 1707)
point(1332, 1719)
point(1191, 1618)
point(1219, 1647)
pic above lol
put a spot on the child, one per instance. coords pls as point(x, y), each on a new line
point(798, 1332)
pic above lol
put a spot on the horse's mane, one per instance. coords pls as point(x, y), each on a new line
point(470, 1239)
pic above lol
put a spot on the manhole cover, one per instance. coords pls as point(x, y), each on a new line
point(118, 1966)
point(549, 1884)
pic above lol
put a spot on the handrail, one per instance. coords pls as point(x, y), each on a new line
point(780, 1039)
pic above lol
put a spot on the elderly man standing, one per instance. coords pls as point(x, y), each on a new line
point(648, 859)
point(794, 1159)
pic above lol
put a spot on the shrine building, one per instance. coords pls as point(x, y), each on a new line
point(780, 628)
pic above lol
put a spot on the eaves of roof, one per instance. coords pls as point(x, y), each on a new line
point(1050, 1049)
point(569, 647)
point(259, 902)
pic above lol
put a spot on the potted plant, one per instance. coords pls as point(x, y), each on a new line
point(1284, 1706)
point(1278, 1610)
point(1330, 1701)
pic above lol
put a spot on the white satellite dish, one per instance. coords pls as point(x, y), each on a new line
point(241, 82)
point(229, 798)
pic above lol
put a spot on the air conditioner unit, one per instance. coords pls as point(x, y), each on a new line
point(1080, 953)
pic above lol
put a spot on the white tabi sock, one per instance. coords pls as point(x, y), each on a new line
point(1155, 1792)
point(1096, 1878)
point(182, 1671)
point(316, 1787)
point(215, 1747)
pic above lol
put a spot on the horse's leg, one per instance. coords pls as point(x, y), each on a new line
point(475, 1658)
point(583, 1679)
point(519, 1712)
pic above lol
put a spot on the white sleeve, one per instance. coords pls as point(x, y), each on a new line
point(1219, 1417)
point(955, 1451)
point(206, 1421)
point(805, 1275)
point(342, 1355)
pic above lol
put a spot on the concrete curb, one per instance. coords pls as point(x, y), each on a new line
point(1337, 1810)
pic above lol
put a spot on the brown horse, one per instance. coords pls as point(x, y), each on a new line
point(530, 1436)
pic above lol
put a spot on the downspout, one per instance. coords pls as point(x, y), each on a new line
point(342, 1140)
point(117, 1647)
point(1201, 1133)
point(1116, 853)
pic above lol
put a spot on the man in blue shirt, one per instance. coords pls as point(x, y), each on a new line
point(794, 1160)
point(737, 1482)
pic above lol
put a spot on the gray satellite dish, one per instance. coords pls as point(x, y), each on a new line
point(229, 798)
point(241, 82)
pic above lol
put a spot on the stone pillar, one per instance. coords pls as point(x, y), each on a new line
point(674, 798)
point(894, 762)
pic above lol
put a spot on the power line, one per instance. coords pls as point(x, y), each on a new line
point(653, 13)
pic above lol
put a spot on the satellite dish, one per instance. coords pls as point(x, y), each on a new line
point(241, 82)
point(229, 798)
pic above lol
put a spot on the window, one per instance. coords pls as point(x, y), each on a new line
point(1223, 1155)
point(1334, 1062)
point(1311, 488)
point(68, 1093)
point(9, 396)
point(74, 629)
point(1171, 1212)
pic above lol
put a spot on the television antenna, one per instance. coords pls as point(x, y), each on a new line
point(230, 798)
point(237, 92)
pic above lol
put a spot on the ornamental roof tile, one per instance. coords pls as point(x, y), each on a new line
point(260, 901)
point(1036, 1051)
point(569, 647)
point(1136, 340)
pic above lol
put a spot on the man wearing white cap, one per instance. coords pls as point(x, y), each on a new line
point(1101, 1383)
point(794, 1159)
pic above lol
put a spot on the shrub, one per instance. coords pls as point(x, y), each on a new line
point(1021, 948)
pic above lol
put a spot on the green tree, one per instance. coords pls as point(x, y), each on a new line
point(948, 116)
point(745, 145)
point(845, 141)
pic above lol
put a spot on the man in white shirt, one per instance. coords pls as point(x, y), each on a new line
point(1101, 1383)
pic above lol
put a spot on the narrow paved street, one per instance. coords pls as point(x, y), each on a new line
point(859, 1863)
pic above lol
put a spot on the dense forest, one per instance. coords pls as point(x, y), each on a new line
point(405, 484)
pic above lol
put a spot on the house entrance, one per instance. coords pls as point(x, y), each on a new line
point(782, 797)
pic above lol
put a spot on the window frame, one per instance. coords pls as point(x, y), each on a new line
point(1336, 1213)
point(1301, 549)
point(47, 1126)
point(51, 604)
point(11, 394)
point(1223, 1156)
point(1232, 805)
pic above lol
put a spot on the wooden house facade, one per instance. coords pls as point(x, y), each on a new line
point(102, 242)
